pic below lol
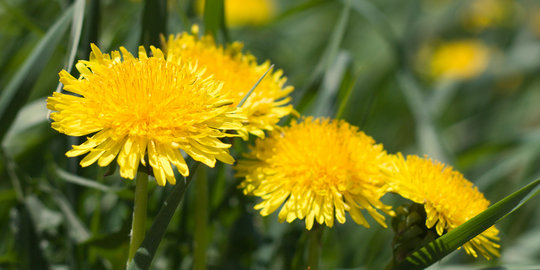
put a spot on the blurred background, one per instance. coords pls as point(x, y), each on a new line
point(456, 80)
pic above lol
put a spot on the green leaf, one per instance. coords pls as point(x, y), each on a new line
point(76, 30)
point(214, 19)
point(75, 179)
point(46, 220)
point(18, 89)
point(298, 8)
point(77, 229)
point(376, 18)
point(146, 252)
point(110, 240)
point(329, 56)
point(449, 242)
point(20, 16)
point(335, 81)
point(27, 240)
point(154, 22)
point(253, 88)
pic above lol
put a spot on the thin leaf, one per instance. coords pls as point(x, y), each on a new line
point(333, 81)
point(329, 55)
point(214, 19)
point(18, 89)
point(455, 238)
point(76, 29)
point(428, 135)
point(75, 179)
point(146, 252)
point(301, 7)
point(253, 88)
point(20, 17)
point(77, 230)
point(31, 255)
point(154, 22)
point(376, 18)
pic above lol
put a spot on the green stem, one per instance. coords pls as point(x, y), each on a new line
point(139, 214)
point(314, 248)
point(201, 220)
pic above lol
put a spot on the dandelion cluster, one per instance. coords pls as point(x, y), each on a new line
point(158, 109)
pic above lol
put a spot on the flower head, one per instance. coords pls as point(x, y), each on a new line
point(481, 14)
point(448, 198)
point(150, 105)
point(463, 59)
point(245, 12)
point(239, 72)
point(315, 170)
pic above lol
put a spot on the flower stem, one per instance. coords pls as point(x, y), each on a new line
point(315, 236)
point(139, 214)
point(201, 220)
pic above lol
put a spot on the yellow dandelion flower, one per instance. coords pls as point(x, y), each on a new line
point(239, 72)
point(463, 59)
point(481, 14)
point(150, 106)
point(448, 198)
point(245, 12)
point(315, 170)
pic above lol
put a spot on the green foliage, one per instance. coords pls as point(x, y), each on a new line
point(353, 59)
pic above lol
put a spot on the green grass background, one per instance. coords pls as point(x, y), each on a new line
point(355, 59)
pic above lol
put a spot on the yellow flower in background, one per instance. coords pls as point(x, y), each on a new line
point(317, 170)
point(245, 12)
point(481, 14)
point(152, 106)
point(462, 59)
point(534, 20)
point(239, 72)
point(448, 198)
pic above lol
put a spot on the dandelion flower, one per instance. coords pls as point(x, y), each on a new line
point(239, 72)
point(245, 12)
point(448, 199)
point(462, 59)
point(317, 170)
point(150, 106)
point(481, 14)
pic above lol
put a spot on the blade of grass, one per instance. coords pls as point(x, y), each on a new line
point(81, 181)
point(332, 83)
point(76, 29)
point(29, 116)
point(20, 17)
point(329, 55)
point(376, 18)
point(154, 22)
point(253, 88)
point(146, 252)
point(77, 229)
point(428, 137)
point(30, 254)
point(427, 134)
point(18, 89)
point(201, 221)
point(297, 9)
point(214, 19)
point(455, 238)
